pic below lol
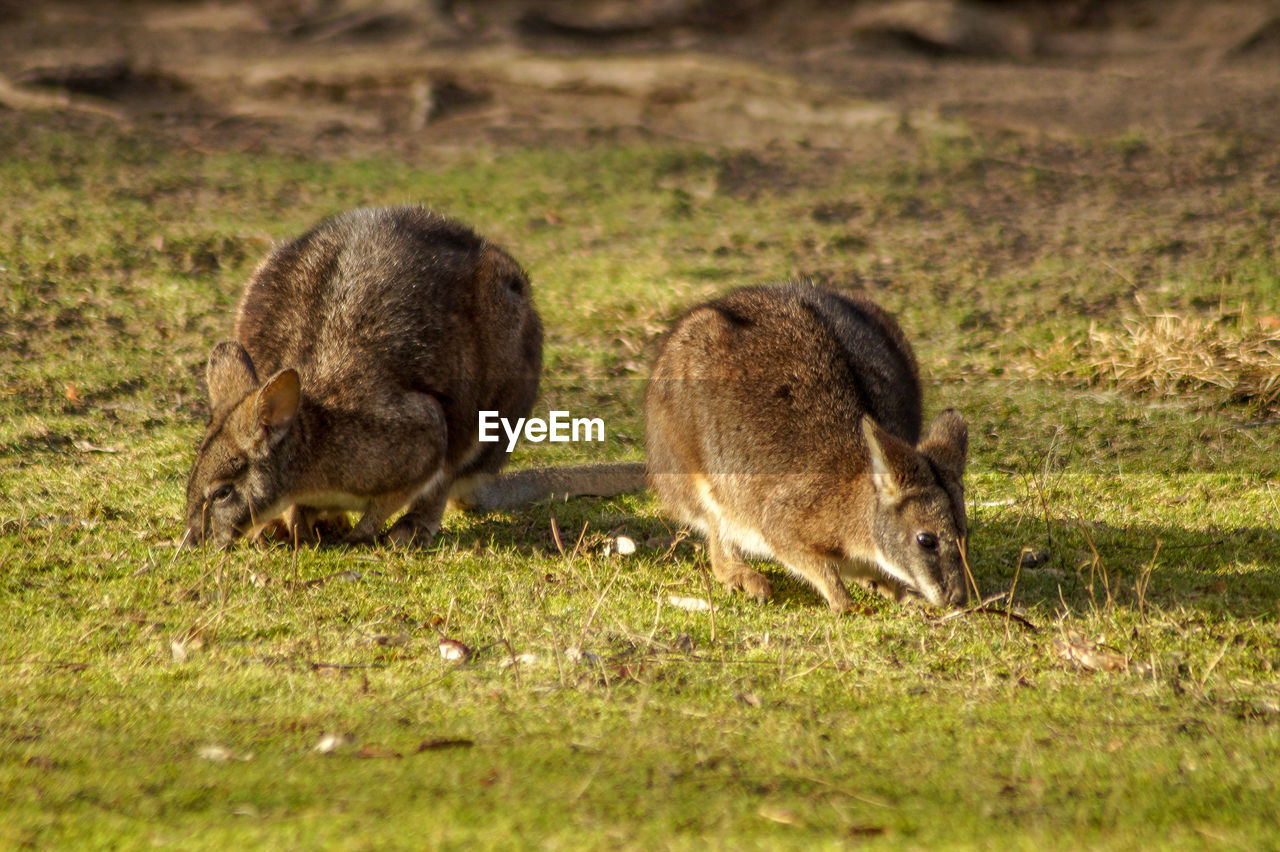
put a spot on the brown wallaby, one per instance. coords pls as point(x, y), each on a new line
point(784, 422)
point(364, 351)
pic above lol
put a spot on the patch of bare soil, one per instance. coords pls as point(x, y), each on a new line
point(351, 76)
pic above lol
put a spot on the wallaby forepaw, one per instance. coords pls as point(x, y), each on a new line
point(841, 603)
point(888, 589)
point(754, 584)
point(274, 531)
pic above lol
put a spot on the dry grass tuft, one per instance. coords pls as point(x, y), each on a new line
point(1217, 361)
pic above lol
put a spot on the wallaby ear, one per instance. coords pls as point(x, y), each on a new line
point(230, 374)
point(277, 404)
point(947, 442)
point(891, 461)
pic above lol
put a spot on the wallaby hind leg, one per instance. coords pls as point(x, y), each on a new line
point(415, 428)
point(418, 526)
point(728, 568)
point(374, 518)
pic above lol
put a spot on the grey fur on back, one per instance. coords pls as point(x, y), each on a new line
point(378, 301)
point(364, 350)
point(803, 355)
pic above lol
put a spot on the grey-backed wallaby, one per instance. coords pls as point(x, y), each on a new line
point(364, 351)
point(784, 422)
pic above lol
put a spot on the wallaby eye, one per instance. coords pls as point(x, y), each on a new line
point(927, 540)
point(222, 493)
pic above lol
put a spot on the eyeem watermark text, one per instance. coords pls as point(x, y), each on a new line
point(558, 428)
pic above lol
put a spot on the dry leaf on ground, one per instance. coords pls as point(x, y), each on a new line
point(782, 816)
point(220, 754)
point(452, 649)
point(1089, 654)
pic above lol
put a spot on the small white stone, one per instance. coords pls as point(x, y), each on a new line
point(620, 545)
point(329, 743)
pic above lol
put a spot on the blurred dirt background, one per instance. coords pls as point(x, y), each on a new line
point(341, 77)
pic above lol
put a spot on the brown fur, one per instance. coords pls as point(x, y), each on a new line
point(364, 351)
point(784, 422)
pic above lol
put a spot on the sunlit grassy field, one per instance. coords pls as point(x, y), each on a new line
point(272, 697)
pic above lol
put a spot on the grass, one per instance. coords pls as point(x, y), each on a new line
point(1219, 360)
point(156, 697)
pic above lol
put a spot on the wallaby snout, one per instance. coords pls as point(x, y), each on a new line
point(918, 520)
point(235, 481)
point(784, 423)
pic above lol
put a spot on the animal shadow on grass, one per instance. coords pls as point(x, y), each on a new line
point(1083, 565)
point(1078, 564)
point(554, 528)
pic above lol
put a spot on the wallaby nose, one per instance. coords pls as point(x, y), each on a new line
point(958, 594)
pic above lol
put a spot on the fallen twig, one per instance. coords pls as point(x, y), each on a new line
point(1003, 613)
point(985, 608)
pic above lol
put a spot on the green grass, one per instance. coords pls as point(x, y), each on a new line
point(1138, 530)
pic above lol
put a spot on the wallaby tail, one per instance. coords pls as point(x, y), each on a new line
point(511, 490)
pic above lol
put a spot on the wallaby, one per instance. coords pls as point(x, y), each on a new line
point(364, 351)
point(784, 423)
